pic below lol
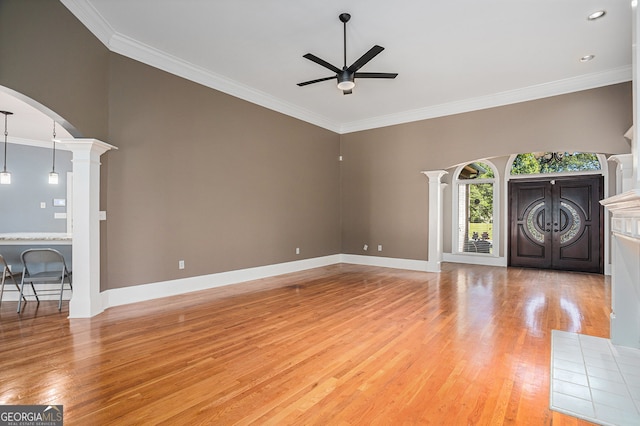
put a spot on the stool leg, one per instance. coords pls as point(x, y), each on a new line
point(21, 293)
point(4, 275)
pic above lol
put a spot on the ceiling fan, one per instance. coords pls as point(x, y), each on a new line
point(347, 75)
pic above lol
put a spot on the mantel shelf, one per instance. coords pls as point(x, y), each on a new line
point(626, 204)
point(625, 208)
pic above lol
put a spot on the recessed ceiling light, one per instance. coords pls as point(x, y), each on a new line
point(596, 15)
point(587, 58)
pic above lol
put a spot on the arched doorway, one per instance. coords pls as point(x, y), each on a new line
point(85, 300)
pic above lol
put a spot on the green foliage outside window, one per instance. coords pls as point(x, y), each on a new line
point(480, 194)
point(481, 203)
point(554, 162)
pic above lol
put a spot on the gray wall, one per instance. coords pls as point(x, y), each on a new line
point(20, 207)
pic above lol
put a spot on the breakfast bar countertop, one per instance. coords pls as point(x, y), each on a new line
point(35, 237)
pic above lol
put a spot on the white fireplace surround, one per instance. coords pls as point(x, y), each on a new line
point(625, 267)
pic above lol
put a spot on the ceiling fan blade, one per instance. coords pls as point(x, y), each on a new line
point(375, 75)
point(347, 92)
point(316, 80)
point(322, 62)
point(365, 58)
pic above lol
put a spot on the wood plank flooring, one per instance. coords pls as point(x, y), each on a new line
point(339, 345)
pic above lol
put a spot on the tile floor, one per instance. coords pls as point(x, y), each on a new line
point(594, 380)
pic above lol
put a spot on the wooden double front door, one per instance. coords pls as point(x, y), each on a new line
point(557, 224)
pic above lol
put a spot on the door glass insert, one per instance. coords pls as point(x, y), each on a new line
point(534, 225)
point(574, 221)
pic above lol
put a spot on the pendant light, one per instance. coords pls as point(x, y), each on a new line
point(5, 176)
point(53, 176)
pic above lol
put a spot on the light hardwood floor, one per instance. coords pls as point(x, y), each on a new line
point(339, 345)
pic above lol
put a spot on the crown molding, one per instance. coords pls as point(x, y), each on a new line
point(90, 18)
point(545, 90)
point(133, 49)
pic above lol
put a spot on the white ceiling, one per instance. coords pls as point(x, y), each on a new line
point(450, 56)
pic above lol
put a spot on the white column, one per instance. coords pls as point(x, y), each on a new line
point(435, 219)
point(624, 172)
point(85, 300)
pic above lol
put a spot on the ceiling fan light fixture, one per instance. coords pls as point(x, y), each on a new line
point(346, 85)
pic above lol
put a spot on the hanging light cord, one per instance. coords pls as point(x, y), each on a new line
point(6, 133)
point(53, 169)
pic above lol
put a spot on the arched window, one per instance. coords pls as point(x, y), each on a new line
point(475, 197)
point(534, 163)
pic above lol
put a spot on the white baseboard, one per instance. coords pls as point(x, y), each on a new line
point(475, 259)
point(140, 293)
point(143, 292)
point(390, 262)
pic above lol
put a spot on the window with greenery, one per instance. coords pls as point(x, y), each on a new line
point(475, 184)
point(554, 162)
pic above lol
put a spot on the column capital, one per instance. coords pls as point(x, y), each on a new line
point(434, 175)
point(86, 144)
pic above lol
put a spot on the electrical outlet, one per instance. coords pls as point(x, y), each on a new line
point(365, 247)
point(180, 264)
point(379, 247)
point(297, 250)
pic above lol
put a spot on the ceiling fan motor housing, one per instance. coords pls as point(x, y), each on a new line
point(346, 80)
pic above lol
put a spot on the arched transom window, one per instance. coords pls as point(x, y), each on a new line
point(534, 163)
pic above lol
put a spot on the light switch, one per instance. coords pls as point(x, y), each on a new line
point(43, 205)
